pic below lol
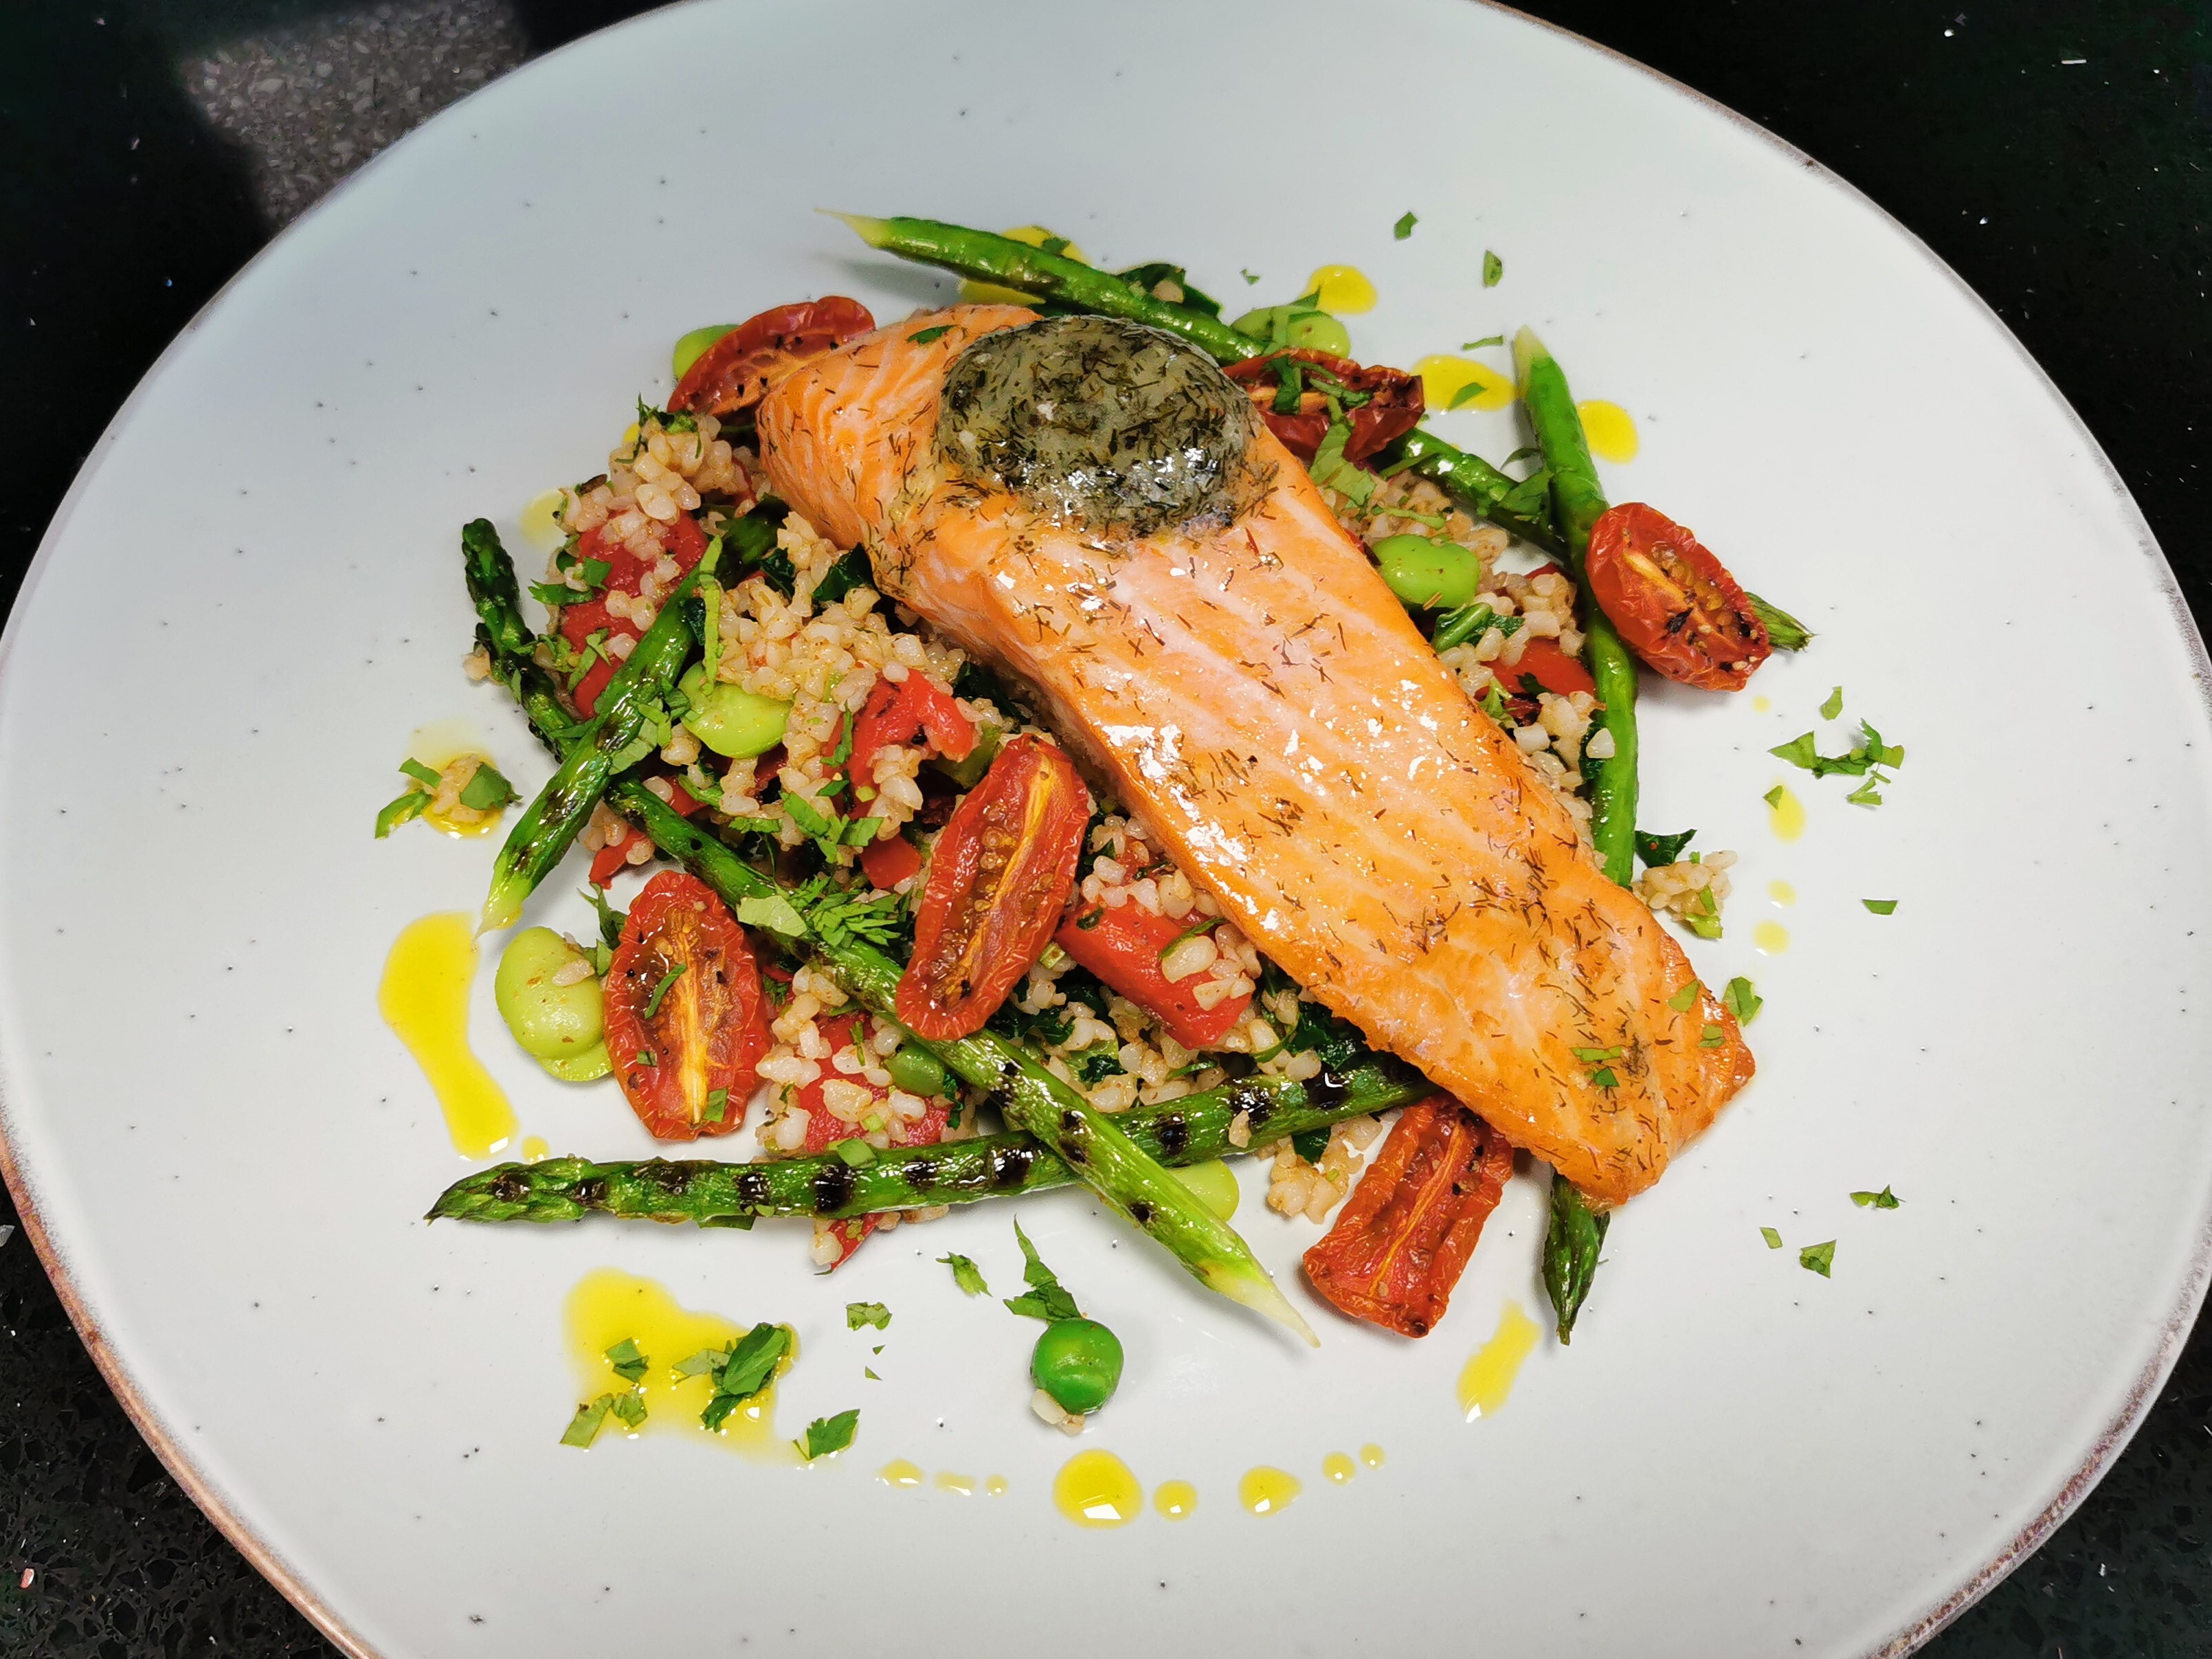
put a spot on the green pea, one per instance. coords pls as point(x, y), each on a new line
point(1291, 325)
point(1431, 575)
point(733, 722)
point(587, 1067)
point(553, 1021)
point(1212, 1184)
point(1078, 1363)
point(693, 346)
point(918, 1072)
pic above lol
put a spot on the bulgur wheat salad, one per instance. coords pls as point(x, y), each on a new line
point(1072, 737)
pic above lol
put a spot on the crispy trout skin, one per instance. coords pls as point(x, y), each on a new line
point(1260, 700)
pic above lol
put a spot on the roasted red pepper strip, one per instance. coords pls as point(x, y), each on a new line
point(1122, 946)
point(1395, 401)
point(1553, 670)
point(682, 541)
point(898, 712)
point(888, 863)
point(736, 371)
point(1674, 604)
point(999, 878)
point(611, 859)
point(1406, 1233)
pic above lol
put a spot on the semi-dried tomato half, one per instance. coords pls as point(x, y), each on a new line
point(1674, 604)
point(1123, 946)
point(1000, 875)
point(736, 371)
point(1393, 404)
point(1406, 1233)
point(684, 1026)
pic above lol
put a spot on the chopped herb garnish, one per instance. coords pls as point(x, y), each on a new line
point(825, 1435)
point(399, 811)
point(584, 1427)
point(653, 1002)
point(422, 773)
point(1467, 394)
point(1656, 850)
point(1818, 1258)
point(629, 1406)
point(701, 1363)
point(1477, 345)
point(1834, 706)
point(925, 336)
point(1884, 1199)
point(718, 1105)
point(1592, 1056)
point(1741, 1001)
point(870, 1373)
point(1867, 753)
point(854, 1153)
point(1492, 269)
point(1310, 1145)
point(629, 1364)
point(857, 1314)
point(1047, 1299)
point(966, 1275)
point(1404, 227)
point(1880, 906)
point(1866, 795)
point(1773, 797)
point(1604, 1078)
point(1091, 919)
point(611, 919)
point(486, 789)
point(1249, 276)
point(1686, 998)
point(748, 1365)
point(1289, 385)
point(1773, 1239)
point(775, 913)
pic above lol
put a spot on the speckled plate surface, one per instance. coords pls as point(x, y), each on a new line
point(252, 599)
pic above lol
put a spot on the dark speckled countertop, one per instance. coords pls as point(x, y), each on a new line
point(2057, 153)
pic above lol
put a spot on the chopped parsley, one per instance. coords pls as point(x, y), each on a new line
point(1773, 1239)
point(1097, 1063)
point(422, 773)
point(630, 1406)
point(1252, 277)
point(739, 1372)
point(825, 1435)
point(1493, 268)
point(1311, 1145)
point(1487, 340)
point(1686, 998)
point(1818, 1258)
point(1741, 1001)
point(1834, 706)
point(1290, 386)
point(1656, 850)
point(653, 1002)
point(1865, 755)
point(1604, 1078)
point(1712, 1037)
point(1332, 471)
point(1884, 1199)
point(966, 1275)
point(1880, 906)
point(1773, 797)
point(1467, 394)
point(868, 1371)
point(854, 1153)
point(1593, 1056)
point(1404, 227)
point(774, 912)
point(400, 810)
point(584, 1427)
point(857, 1314)
point(611, 919)
point(925, 336)
point(718, 1105)
point(1866, 795)
point(1047, 1299)
point(629, 1364)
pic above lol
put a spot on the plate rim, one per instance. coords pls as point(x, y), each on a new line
point(212, 1502)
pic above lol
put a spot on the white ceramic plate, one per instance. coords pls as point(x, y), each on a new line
point(252, 596)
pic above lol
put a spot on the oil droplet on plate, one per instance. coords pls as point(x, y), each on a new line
point(899, 1473)
point(541, 522)
point(1771, 937)
point(534, 1148)
point(608, 1307)
point(1343, 290)
point(1487, 1380)
point(1785, 815)
point(424, 997)
point(963, 1485)
point(974, 292)
point(1611, 431)
point(1372, 1454)
point(1339, 1468)
point(1264, 1490)
point(1096, 1489)
point(1781, 892)
point(1176, 1499)
point(1760, 704)
point(437, 746)
point(1445, 382)
point(995, 1486)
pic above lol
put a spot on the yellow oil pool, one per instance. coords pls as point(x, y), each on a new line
point(1771, 937)
point(1338, 1467)
point(1343, 290)
point(1096, 1489)
point(608, 1307)
point(1785, 815)
point(1781, 892)
point(995, 1486)
point(961, 1486)
point(1372, 1454)
point(424, 997)
point(1486, 1381)
point(1445, 382)
point(899, 1473)
point(1176, 1499)
point(1266, 1490)
point(1611, 430)
point(541, 522)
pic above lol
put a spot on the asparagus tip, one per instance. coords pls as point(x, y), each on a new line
point(1527, 348)
point(876, 233)
point(1257, 1290)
